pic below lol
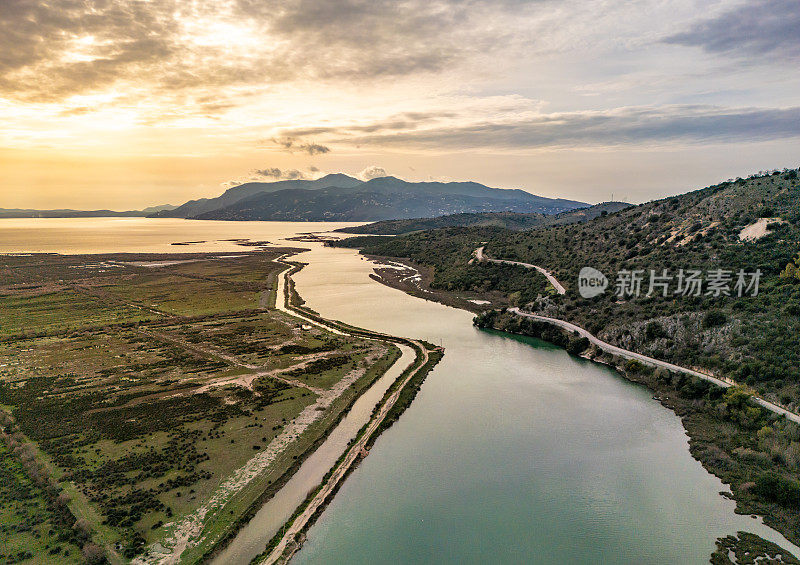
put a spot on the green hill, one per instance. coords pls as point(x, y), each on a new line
point(508, 220)
point(748, 224)
point(752, 339)
point(342, 198)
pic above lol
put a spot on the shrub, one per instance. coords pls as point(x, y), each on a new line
point(776, 488)
point(654, 330)
point(633, 366)
point(93, 554)
point(578, 346)
point(714, 318)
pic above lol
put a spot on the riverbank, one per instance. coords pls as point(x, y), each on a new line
point(415, 280)
point(399, 396)
point(742, 443)
point(657, 363)
point(270, 488)
point(286, 299)
point(743, 450)
point(168, 393)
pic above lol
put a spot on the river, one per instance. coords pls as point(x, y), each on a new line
point(513, 451)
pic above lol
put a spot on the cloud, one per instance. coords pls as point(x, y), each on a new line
point(293, 144)
point(755, 29)
point(49, 51)
point(372, 172)
point(79, 111)
point(273, 174)
point(278, 174)
point(617, 127)
point(52, 50)
point(403, 121)
point(312, 75)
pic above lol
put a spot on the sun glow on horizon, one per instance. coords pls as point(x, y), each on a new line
point(497, 92)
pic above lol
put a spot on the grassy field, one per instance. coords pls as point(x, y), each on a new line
point(57, 311)
point(194, 297)
point(131, 387)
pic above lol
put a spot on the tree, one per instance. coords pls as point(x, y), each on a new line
point(792, 271)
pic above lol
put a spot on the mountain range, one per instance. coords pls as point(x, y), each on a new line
point(69, 213)
point(339, 197)
point(514, 221)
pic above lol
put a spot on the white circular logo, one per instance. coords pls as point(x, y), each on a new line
point(591, 282)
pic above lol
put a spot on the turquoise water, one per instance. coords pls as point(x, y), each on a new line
point(513, 452)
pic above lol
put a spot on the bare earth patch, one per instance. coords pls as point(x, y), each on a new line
point(758, 229)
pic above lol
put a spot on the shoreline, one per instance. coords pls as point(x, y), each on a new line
point(288, 541)
point(628, 354)
point(347, 460)
point(666, 395)
point(414, 382)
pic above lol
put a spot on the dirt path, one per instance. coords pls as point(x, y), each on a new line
point(287, 545)
point(479, 256)
point(624, 353)
point(188, 530)
point(204, 351)
point(246, 380)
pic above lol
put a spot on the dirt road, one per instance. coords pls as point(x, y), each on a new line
point(553, 281)
point(624, 353)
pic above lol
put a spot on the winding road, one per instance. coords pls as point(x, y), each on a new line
point(624, 353)
point(553, 281)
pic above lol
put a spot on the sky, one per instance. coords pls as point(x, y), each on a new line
point(124, 104)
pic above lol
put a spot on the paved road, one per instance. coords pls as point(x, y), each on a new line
point(624, 353)
point(554, 281)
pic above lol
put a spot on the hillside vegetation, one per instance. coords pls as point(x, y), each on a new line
point(508, 220)
point(753, 339)
point(747, 224)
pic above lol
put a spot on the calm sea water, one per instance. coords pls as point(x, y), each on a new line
point(143, 235)
point(513, 451)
